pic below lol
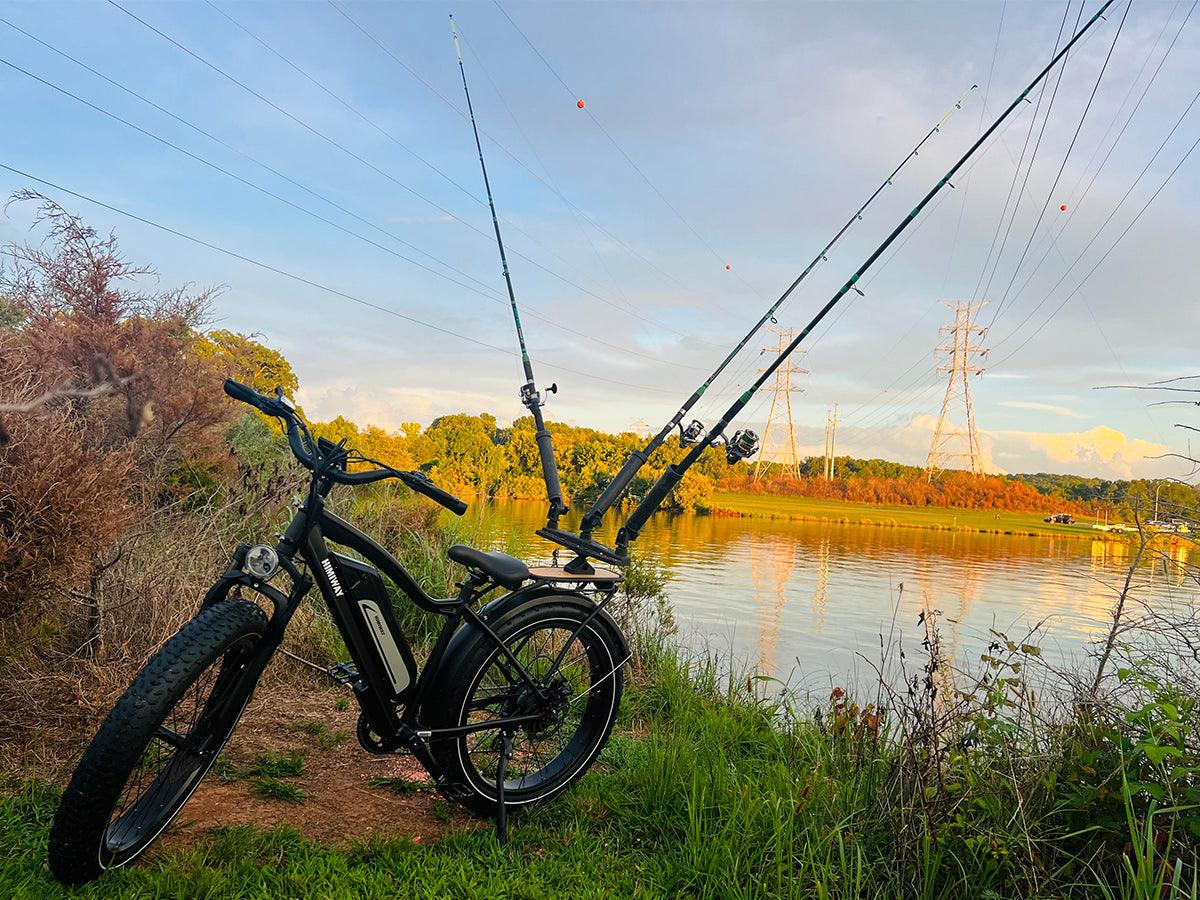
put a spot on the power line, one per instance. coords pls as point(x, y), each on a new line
point(1075, 203)
point(1103, 225)
point(375, 125)
point(1066, 156)
point(1106, 253)
point(1017, 166)
point(363, 161)
point(300, 279)
point(1029, 169)
point(281, 199)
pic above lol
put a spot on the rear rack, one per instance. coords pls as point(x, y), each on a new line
point(599, 577)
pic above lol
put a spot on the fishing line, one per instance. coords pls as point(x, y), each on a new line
point(546, 171)
point(383, 46)
point(638, 458)
point(531, 398)
point(744, 443)
point(721, 260)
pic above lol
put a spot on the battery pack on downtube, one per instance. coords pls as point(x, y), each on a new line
point(582, 543)
point(531, 398)
point(364, 615)
point(655, 496)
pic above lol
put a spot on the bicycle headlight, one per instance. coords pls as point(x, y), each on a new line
point(262, 562)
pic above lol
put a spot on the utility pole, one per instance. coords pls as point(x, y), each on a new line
point(782, 387)
point(831, 424)
point(963, 357)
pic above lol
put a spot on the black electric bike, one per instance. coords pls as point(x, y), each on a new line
point(514, 702)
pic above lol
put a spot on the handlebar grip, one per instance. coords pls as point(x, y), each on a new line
point(422, 485)
point(244, 394)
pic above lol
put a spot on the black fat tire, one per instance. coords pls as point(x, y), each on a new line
point(87, 804)
point(457, 681)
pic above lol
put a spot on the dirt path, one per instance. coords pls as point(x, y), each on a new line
point(348, 794)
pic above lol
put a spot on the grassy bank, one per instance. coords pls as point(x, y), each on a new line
point(939, 518)
point(708, 789)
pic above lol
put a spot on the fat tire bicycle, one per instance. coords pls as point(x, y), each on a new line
point(513, 704)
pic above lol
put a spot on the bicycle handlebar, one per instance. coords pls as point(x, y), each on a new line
point(302, 446)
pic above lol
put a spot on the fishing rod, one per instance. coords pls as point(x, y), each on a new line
point(744, 442)
point(582, 543)
point(531, 397)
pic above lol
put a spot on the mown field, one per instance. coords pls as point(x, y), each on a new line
point(804, 508)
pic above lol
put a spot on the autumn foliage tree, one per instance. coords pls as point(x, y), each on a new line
point(109, 408)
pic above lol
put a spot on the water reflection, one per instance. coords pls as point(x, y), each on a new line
point(810, 600)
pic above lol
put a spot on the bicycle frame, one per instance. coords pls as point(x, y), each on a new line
point(308, 535)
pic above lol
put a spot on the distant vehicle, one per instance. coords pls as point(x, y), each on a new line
point(1174, 526)
point(1060, 519)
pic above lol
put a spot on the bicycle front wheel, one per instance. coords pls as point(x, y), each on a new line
point(157, 744)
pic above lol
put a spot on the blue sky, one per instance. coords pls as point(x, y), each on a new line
point(762, 125)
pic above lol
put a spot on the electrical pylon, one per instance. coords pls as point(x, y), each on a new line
point(958, 443)
point(831, 424)
point(782, 387)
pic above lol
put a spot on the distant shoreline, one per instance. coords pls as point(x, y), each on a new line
point(930, 518)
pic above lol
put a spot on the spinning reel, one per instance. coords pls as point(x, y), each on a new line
point(532, 398)
point(742, 445)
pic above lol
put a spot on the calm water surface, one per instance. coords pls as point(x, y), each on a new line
point(808, 601)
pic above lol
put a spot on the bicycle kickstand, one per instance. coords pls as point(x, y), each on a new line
point(506, 748)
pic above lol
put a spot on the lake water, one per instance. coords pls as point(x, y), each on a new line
point(808, 602)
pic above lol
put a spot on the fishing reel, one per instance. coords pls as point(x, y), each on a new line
point(531, 396)
point(742, 445)
point(690, 436)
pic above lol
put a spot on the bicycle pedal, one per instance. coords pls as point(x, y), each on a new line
point(343, 673)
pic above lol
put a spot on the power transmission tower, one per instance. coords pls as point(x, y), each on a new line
point(782, 387)
point(958, 443)
point(831, 424)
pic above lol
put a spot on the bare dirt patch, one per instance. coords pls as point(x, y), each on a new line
point(348, 794)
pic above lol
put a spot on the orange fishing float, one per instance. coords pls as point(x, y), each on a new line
point(579, 103)
point(1063, 207)
point(728, 267)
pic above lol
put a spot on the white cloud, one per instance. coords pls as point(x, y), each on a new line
point(1100, 452)
point(1043, 407)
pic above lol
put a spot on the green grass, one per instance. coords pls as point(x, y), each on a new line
point(270, 764)
point(405, 787)
point(703, 791)
point(273, 789)
point(988, 521)
point(320, 733)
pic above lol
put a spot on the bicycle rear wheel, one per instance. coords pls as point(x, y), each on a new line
point(572, 725)
point(157, 744)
